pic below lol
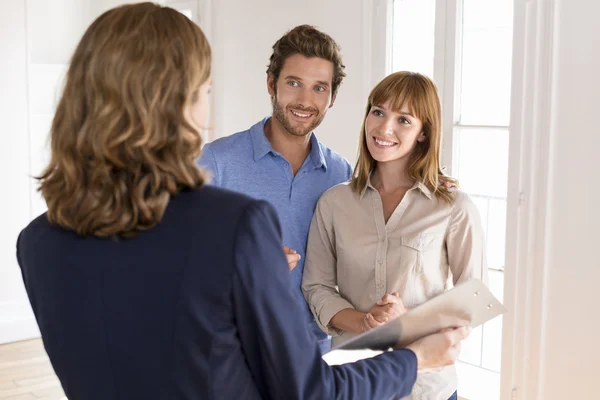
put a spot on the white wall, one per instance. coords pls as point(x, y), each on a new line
point(243, 33)
point(571, 330)
point(16, 318)
point(553, 268)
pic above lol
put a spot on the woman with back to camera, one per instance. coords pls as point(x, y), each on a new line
point(147, 284)
point(393, 236)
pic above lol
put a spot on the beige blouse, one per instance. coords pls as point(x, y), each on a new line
point(353, 258)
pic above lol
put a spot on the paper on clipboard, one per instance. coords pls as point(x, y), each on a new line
point(470, 300)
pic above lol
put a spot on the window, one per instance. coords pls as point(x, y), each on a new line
point(413, 36)
point(474, 70)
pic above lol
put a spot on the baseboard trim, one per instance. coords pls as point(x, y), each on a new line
point(16, 331)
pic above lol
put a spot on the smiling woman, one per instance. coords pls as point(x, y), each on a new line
point(383, 123)
point(403, 108)
point(415, 239)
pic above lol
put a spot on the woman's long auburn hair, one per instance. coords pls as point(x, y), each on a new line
point(120, 145)
point(420, 95)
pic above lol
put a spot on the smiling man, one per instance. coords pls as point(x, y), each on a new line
point(280, 159)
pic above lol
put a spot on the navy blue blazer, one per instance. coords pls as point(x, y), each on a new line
point(198, 307)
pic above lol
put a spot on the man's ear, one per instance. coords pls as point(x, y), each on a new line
point(333, 99)
point(271, 85)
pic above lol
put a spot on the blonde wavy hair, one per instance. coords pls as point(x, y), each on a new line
point(420, 95)
point(120, 145)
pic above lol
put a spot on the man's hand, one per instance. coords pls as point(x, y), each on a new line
point(389, 307)
point(448, 182)
point(292, 257)
point(439, 349)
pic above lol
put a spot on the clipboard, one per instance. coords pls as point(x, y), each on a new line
point(470, 300)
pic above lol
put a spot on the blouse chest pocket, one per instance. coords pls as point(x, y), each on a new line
point(421, 250)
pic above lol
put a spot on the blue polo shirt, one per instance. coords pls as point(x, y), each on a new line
point(245, 162)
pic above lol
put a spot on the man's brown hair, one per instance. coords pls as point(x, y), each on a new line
point(308, 41)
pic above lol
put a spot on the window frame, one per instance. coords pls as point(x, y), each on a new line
point(529, 158)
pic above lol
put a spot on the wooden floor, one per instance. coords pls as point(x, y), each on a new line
point(26, 373)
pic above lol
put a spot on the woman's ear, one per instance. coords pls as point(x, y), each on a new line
point(421, 138)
